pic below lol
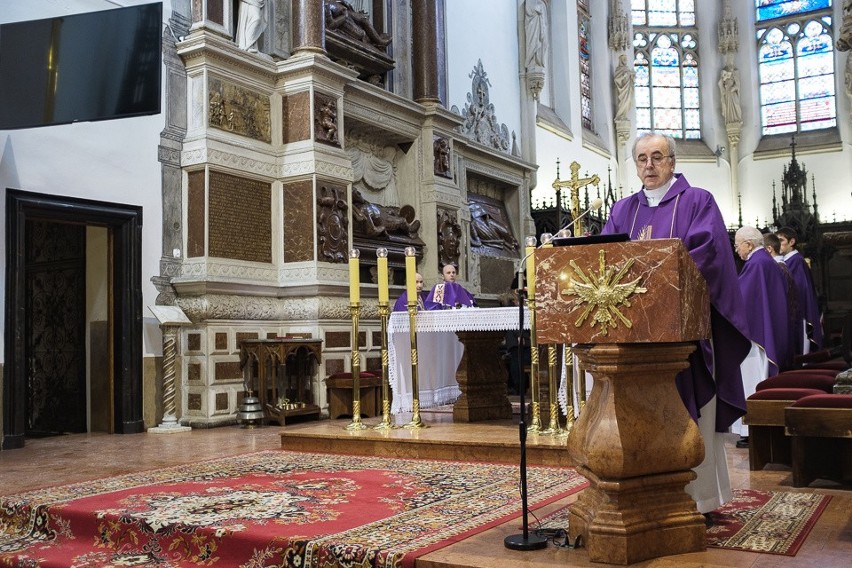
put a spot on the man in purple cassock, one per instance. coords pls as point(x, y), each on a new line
point(711, 387)
point(401, 304)
point(806, 298)
point(764, 289)
point(449, 293)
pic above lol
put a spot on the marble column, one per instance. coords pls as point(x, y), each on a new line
point(308, 26)
point(428, 51)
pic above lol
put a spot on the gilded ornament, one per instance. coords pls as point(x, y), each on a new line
point(603, 293)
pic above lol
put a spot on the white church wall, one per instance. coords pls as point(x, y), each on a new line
point(476, 31)
point(112, 160)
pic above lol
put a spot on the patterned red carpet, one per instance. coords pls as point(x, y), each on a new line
point(770, 522)
point(271, 508)
point(754, 521)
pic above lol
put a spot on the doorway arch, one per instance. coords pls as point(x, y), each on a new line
point(124, 225)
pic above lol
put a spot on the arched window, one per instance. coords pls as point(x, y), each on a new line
point(665, 42)
point(795, 59)
point(584, 25)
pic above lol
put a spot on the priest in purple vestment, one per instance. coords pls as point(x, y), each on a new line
point(401, 304)
point(806, 297)
point(764, 289)
point(449, 293)
point(711, 387)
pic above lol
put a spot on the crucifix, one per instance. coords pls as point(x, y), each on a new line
point(574, 183)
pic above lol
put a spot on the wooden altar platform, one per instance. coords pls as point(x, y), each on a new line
point(491, 441)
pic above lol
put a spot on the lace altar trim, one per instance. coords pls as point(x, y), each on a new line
point(462, 319)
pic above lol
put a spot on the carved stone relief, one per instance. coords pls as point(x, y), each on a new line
point(238, 110)
point(480, 119)
point(449, 238)
point(332, 224)
point(371, 220)
point(441, 151)
point(325, 119)
point(489, 225)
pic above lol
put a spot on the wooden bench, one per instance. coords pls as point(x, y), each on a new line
point(820, 427)
point(765, 420)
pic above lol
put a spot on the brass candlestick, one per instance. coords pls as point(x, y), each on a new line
point(581, 389)
point(356, 424)
point(385, 424)
point(553, 428)
point(535, 404)
point(416, 421)
point(569, 390)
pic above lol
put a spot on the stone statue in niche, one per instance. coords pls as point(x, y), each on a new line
point(488, 227)
point(729, 91)
point(535, 27)
point(624, 85)
point(341, 16)
point(449, 237)
point(332, 224)
point(373, 220)
point(326, 120)
point(251, 23)
point(441, 149)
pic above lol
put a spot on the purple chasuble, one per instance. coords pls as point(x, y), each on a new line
point(691, 214)
point(764, 289)
point(449, 294)
point(401, 304)
point(806, 297)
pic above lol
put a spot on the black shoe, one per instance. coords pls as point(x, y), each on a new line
point(742, 442)
point(708, 520)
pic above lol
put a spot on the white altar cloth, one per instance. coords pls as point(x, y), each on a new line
point(439, 351)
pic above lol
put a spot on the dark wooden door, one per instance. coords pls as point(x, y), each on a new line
point(55, 329)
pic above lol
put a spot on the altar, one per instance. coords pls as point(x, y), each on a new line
point(457, 352)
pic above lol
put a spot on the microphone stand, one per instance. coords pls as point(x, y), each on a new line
point(523, 541)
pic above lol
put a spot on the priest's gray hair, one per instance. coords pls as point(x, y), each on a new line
point(750, 235)
point(669, 140)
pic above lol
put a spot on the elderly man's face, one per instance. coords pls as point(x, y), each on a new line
point(654, 165)
point(418, 280)
point(449, 273)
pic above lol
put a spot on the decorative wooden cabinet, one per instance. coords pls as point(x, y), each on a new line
point(280, 372)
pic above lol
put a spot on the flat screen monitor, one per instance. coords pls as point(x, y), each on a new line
point(83, 67)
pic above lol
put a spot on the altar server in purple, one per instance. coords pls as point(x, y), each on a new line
point(401, 304)
point(711, 387)
point(449, 293)
point(806, 297)
point(764, 289)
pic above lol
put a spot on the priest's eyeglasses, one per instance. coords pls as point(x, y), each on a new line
point(655, 159)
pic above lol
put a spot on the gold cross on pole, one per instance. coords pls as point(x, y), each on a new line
point(575, 183)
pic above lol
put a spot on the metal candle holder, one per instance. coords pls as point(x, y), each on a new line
point(416, 421)
point(385, 424)
point(553, 427)
point(355, 312)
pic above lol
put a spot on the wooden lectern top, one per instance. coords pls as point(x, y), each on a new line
point(626, 292)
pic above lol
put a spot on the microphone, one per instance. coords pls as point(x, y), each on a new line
point(596, 204)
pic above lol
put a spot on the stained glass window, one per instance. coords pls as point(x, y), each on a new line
point(584, 22)
point(795, 59)
point(665, 43)
point(770, 9)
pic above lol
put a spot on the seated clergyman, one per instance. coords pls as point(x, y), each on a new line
point(449, 293)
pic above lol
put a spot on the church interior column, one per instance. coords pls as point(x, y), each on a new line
point(429, 65)
point(308, 26)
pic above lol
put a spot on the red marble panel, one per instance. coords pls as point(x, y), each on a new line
point(633, 292)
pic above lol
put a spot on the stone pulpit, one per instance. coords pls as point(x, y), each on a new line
point(634, 311)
